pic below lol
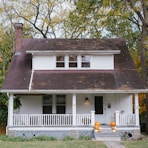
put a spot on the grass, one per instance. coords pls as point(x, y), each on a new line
point(141, 143)
point(53, 144)
point(47, 142)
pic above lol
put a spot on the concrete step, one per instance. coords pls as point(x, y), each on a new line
point(107, 135)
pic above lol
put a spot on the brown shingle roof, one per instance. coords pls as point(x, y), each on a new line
point(124, 77)
point(68, 44)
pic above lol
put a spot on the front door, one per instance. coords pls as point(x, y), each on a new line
point(99, 109)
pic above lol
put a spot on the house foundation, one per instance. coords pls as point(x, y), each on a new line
point(58, 133)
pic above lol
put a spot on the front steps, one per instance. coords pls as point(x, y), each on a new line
point(107, 134)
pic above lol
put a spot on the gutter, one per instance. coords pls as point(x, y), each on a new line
point(71, 91)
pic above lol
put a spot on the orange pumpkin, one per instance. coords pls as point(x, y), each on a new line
point(96, 127)
point(99, 131)
point(112, 123)
point(113, 128)
point(97, 123)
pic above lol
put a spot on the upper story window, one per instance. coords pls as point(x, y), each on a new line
point(72, 61)
point(85, 62)
point(60, 61)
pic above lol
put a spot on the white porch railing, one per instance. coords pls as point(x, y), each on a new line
point(51, 119)
point(125, 119)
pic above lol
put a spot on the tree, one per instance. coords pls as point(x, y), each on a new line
point(125, 18)
point(43, 16)
point(82, 21)
point(3, 109)
point(5, 51)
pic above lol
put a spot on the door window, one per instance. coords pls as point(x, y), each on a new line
point(98, 104)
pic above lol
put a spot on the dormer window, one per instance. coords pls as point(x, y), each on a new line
point(60, 62)
point(85, 61)
point(72, 61)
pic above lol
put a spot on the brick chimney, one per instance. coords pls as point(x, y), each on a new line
point(18, 36)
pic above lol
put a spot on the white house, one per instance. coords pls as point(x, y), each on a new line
point(66, 85)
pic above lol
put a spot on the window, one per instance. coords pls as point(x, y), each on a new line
point(85, 61)
point(47, 104)
point(98, 104)
point(72, 61)
point(60, 104)
point(60, 61)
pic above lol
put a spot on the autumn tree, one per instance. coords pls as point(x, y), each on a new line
point(120, 18)
point(43, 16)
point(5, 51)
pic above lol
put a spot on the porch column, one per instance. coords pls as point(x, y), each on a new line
point(137, 109)
point(74, 108)
point(117, 114)
point(92, 118)
point(10, 110)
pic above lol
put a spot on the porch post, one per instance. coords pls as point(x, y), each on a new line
point(10, 110)
point(117, 114)
point(92, 118)
point(74, 108)
point(137, 109)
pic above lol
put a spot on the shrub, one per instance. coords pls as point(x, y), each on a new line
point(84, 138)
point(66, 138)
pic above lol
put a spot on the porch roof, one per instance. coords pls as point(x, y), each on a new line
point(86, 79)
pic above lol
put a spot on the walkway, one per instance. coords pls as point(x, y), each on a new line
point(113, 144)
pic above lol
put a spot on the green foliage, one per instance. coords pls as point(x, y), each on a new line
point(6, 46)
point(84, 138)
point(44, 138)
point(17, 102)
point(3, 109)
point(21, 139)
point(40, 138)
point(66, 138)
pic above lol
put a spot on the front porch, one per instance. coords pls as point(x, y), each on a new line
point(20, 124)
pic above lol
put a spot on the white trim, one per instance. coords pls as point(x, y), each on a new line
point(95, 52)
point(10, 110)
point(66, 128)
point(50, 128)
point(74, 108)
point(31, 78)
point(67, 91)
point(137, 109)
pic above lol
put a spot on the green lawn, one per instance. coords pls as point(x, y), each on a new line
point(53, 144)
point(44, 142)
point(136, 143)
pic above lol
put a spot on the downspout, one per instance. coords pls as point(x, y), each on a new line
point(31, 78)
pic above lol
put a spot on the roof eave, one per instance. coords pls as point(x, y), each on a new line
point(54, 52)
point(69, 91)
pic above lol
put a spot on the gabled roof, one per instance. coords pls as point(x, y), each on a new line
point(124, 78)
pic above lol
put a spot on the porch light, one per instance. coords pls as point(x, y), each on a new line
point(86, 100)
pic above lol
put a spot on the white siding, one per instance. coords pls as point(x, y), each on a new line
point(43, 62)
point(31, 105)
point(102, 62)
point(118, 102)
